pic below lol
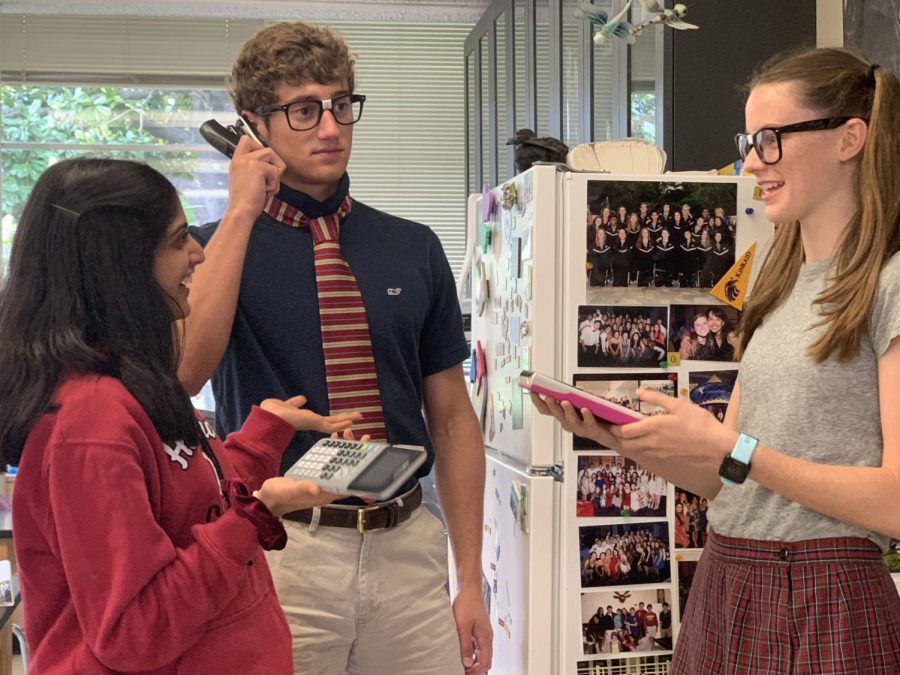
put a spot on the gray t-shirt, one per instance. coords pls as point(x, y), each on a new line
point(826, 413)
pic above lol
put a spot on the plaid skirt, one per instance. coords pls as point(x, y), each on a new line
point(774, 607)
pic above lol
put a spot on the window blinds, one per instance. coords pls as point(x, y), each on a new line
point(409, 152)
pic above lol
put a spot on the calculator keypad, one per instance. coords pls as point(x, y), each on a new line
point(333, 460)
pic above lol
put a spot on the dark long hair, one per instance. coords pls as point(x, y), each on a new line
point(80, 297)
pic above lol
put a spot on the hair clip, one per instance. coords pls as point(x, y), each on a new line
point(870, 76)
point(65, 210)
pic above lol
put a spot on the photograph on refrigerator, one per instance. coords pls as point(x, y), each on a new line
point(6, 587)
point(624, 554)
point(616, 622)
point(621, 336)
point(686, 571)
point(657, 664)
point(622, 389)
point(705, 332)
point(611, 486)
point(658, 234)
point(712, 390)
point(691, 524)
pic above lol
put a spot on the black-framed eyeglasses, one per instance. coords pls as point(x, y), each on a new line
point(307, 113)
point(767, 141)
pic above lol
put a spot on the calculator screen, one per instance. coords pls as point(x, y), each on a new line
point(389, 465)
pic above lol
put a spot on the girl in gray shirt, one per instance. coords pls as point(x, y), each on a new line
point(804, 473)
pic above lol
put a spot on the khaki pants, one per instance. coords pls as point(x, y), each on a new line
point(372, 604)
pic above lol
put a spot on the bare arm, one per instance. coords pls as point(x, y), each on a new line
point(459, 460)
point(459, 465)
point(684, 469)
point(252, 177)
point(696, 438)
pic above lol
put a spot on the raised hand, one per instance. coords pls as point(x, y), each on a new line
point(253, 176)
point(292, 412)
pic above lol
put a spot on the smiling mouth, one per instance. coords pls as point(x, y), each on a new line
point(768, 187)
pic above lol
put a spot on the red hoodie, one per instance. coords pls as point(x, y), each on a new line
point(128, 559)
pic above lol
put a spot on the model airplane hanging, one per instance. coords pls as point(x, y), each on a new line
point(667, 17)
point(607, 28)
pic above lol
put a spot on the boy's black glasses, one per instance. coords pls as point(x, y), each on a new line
point(306, 114)
point(767, 141)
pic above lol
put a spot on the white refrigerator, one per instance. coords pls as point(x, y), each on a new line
point(548, 513)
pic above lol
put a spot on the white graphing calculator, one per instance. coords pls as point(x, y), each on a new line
point(369, 469)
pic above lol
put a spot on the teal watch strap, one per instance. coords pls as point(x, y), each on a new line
point(735, 466)
point(744, 448)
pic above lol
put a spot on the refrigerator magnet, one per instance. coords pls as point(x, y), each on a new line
point(518, 417)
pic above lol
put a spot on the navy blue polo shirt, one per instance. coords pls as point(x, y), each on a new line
point(275, 348)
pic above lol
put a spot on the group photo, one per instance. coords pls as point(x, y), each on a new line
point(612, 486)
point(624, 554)
point(627, 621)
point(622, 390)
point(691, 522)
point(650, 234)
point(703, 332)
point(621, 336)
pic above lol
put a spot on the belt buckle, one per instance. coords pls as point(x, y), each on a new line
point(361, 516)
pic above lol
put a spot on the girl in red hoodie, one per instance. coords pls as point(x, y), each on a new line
point(139, 534)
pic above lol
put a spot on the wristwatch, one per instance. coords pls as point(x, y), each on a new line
point(736, 466)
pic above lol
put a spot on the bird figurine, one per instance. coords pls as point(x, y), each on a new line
point(607, 28)
point(530, 149)
point(667, 17)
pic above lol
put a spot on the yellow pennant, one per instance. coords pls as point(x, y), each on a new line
point(733, 169)
point(732, 287)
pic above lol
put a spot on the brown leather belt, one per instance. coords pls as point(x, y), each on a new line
point(365, 518)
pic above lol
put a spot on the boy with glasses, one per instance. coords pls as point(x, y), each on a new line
point(306, 289)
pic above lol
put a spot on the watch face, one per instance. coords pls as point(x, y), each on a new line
point(733, 470)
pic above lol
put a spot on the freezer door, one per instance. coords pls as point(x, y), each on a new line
point(518, 568)
point(515, 307)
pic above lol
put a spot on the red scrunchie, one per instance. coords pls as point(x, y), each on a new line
point(269, 530)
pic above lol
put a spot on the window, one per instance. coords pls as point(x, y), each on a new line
point(140, 87)
point(643, 114)
point(44, 124)
point(409, 148)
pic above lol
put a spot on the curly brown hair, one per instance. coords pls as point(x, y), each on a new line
point(291, 53)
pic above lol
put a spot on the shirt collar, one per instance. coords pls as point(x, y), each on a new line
point(312, 207)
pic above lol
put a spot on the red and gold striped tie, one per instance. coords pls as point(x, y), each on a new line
point(349, 362)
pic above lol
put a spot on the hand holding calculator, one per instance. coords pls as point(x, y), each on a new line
point(560, 391)
point(364, 469)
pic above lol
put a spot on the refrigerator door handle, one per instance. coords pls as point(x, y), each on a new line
point(556, 471)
